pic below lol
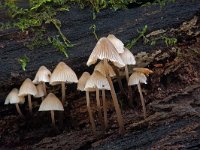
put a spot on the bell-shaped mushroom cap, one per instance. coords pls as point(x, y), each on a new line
point(97, 80)
point(51, 102)
point(146, 71)
point(104, 49)
point(102, 69)
point(63, 73)
point(27, 88)
point(117, 43)
point(82, 81)
point(42, 75)
point(40, 91)
point(136, 78)
point(13, 97)
point(127, 57)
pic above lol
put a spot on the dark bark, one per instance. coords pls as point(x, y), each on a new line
point(75, 25)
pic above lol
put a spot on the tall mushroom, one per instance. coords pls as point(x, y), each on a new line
point(104, 50)
point(99, 82)
point(51, 103)
point(28, 88)
point(81, 86)
point(42, 76)
point(13, 98)
point(135, 79)
point(128, 59)
point(118, 44)
point(63, 74)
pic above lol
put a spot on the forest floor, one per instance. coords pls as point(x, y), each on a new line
point(173, 106)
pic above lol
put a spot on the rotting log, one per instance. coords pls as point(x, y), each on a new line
point(75, 25)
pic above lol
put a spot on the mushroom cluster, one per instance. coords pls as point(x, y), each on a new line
point(110, 55)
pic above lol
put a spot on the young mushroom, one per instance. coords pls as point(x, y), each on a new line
point(105, 50)
point(40, 91)
point(99, 82)
point(28, 88)
point(81, 86)
point(13, 98)
point(63, 74)
point(118, 44)
point(51, 103)
point(128, 59)
point(136, 78)
point(42, 76)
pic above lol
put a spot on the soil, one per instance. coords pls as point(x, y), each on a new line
point(173, 109)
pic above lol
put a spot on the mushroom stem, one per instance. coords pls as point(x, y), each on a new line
point(90, 112)
point(44, 88)
point(105, 109)
point(19, 111)
point(99, 107)
point(142, 99)
point(30, 104)
point(42, 98)
point(115, 101)
point(63, 92)
point(53, 118)
point(130, 94)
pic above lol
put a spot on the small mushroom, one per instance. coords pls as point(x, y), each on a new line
point(81, 86)
point(63, 74)
point(99, 82)
point(105, 50)
point(128, 59)
point(28, 88)
point(42, 76)
point(40, 91)
point(135, 79)
point(51, 103)
point(13, 98)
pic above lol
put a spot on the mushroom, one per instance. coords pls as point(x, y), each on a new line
point(51, 103)
point(135, 79)
point(99, 82)
point(28, 88)
point(40, 91)
point(104, 50)
point(42, 76)
point(128, 59)
point(118, 44)
point(61, 74)
point(81, 85)
point(13, 98)
point(146, 71)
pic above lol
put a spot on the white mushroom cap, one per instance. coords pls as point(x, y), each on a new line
point(82, 81)
point(104, 49)
point(63, 73)
point(97, 80)
point(27, 88)
point(40, 91)
point(137, 78)
point(42, 75)
point(13, 97)
point(127, 57)
point(101, 68)
point(51, 102)
point(117, 43)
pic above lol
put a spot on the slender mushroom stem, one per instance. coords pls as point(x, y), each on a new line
point(44, 88)
point(53, 118)
point(30, 104)
point(105, 109)
point(19, 111)
point(130, 94)
point(115, 101)
point(90, 112)
point(42, 98)
point(63, 92)
point(142, 99)
point(99, 107)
